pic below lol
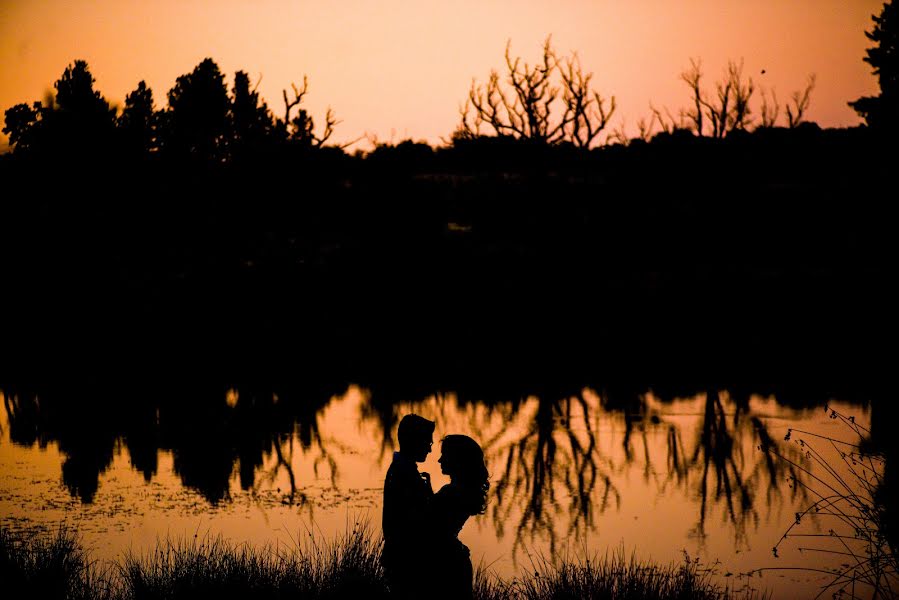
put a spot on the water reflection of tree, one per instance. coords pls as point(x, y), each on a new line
point(305, 437)
point(387, 404)
point(85, 438)
point(543, 470)
point(551, 478)
point(553, 472)
point(539, 458)
point(719, 454)
point(261, 427)
point(726, 475)
point(209, 438)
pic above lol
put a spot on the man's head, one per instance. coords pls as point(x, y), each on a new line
point(416, 435)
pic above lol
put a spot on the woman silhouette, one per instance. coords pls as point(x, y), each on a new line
point(465, 495)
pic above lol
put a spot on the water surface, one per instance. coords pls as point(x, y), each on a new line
point(654, 472)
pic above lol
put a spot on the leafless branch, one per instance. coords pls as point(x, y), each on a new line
point(770, 110)
point(801, 101)
point(740, 116)
point(531, 103)
point(330, 122)
point(667, 123)
point(586, 114)
point(303, 125)
point(298, 97)
point(692, 78)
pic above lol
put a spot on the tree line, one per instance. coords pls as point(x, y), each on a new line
point(201, 121)
point(551, 102)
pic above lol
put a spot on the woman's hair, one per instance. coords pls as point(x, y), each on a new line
point(468, 470)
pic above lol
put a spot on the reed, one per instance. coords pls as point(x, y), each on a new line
point(846, 518)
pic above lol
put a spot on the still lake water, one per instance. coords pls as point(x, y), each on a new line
point(652, 473)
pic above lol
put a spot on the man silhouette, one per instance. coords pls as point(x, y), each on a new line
point(407, 494)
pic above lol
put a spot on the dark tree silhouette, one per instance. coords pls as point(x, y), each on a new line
point(201, 121)
point(75, 92)
point(882, 112)
point(21, 125)
point(137, 122)
point(78, 121)
point(251, 122)
point(197, 117)
point(550, 102)
point(83, 118)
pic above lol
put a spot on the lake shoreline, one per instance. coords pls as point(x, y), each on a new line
point(58, 566)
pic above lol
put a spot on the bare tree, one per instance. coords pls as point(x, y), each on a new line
point(524, 111)
point(770, 110)
point(586, 114)
point(717, 113)
point(644, 129)
point(619, 134)
point(729, 110)
point(801, 101)
point(666, 122)
point(692, 78)
point(303, 127)
point(550, 102)
point(660, 120)
point(298, 97)
point(740, 115)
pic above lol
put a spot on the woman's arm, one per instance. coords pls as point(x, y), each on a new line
point(447, 513)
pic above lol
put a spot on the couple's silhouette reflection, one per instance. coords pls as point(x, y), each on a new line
point(423, 557)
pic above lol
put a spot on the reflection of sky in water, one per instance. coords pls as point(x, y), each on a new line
point(580, 474)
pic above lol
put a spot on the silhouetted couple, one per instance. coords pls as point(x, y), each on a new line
point(423, 557)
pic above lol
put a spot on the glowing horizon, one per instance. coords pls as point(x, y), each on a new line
point(399, 69)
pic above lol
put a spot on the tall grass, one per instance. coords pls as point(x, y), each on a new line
point(49, 566)
point(347, 567)
point(844, 485)
point(616, 576)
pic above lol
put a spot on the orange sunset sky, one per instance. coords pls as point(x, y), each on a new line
point(401, 68)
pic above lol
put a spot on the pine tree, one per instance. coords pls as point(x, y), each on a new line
point(881, 112)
